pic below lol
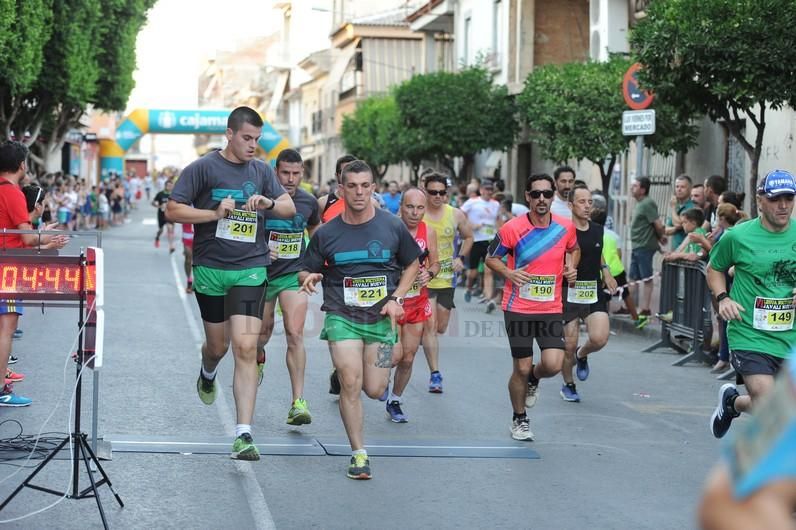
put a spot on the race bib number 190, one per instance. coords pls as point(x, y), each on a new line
point(365, 291)
point(238, 225)
point(540, 288)
point(773, 314)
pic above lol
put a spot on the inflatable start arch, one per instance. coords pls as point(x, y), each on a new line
point(143, 121)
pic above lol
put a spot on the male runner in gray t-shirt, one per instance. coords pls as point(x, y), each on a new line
point(221, 194)
point(285, 238)
point(367, 260)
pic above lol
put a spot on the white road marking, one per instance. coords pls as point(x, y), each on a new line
point(149, 221)
point(254, 494)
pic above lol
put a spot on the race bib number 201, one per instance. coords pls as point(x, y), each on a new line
point(773, 314)
point(365, 291)
point(238, 225)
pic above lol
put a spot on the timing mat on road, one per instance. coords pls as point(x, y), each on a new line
point(302, 445)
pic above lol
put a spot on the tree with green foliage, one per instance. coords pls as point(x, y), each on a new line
point(730, 59)
point(448, 115)
point(370, 133)
point(375, 133)
point(574, 111)
point(59, 58)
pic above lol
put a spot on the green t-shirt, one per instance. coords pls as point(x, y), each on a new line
point(692, 247)
point(642, 230)
point(678, 237)
point(765, 269)
point(611, 253)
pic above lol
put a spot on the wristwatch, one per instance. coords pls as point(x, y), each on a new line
point(722, 296)
point(273, 203)
point(431, 273)
point(397, 299)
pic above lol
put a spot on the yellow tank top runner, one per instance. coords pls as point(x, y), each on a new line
point(446, 230)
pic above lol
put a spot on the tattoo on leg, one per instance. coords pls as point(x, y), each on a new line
point(384, 355)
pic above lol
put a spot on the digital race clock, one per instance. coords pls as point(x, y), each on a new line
point(47, 277)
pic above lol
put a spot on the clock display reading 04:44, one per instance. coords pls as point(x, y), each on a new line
point(20, 278)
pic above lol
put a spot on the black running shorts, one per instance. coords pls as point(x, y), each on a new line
point(443, 297)
point(240, 300)
point(523, 329)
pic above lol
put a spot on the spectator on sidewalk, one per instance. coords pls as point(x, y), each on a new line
point(646, 233)
point(695, 245)
point(680, 202)
point(565, 179)
point(612, 254)
point(698, 196)
point(392, 199)
point(715, 185)
point(729, 216)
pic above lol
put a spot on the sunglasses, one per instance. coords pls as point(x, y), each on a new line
point(535, 194)
point(437, 193)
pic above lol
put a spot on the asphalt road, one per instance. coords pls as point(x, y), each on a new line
point(632, 454)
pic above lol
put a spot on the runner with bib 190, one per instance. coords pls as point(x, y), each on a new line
point(542, 250)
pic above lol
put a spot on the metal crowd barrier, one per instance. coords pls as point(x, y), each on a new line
point(684, 292)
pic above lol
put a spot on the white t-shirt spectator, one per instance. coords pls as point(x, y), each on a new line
point(518, 209)
point(560, 207)
point(483, 214)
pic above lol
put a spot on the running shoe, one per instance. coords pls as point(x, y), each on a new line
point(334, 383)
point(359, 468)
point(299, 414)
point(383, 397)
point(18, 333)
point(9, 399)
point(171, 250)
point(244, 449)
point(569, 393)
point(206, 389)
point(13, 377)
point(642, 321)
point(12, 359)
point(157, 243)
point(394, 412)
point(521, 429)
point(724, 414)
point(260, 366)
point(531, 394)
point(468, 295)
point(665, 317)
point(435, 383)
point(581, 367)
point(490, 306)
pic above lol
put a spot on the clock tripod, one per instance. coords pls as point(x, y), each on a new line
point(81, 452)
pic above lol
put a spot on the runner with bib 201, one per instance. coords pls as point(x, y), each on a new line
point(222, 195)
